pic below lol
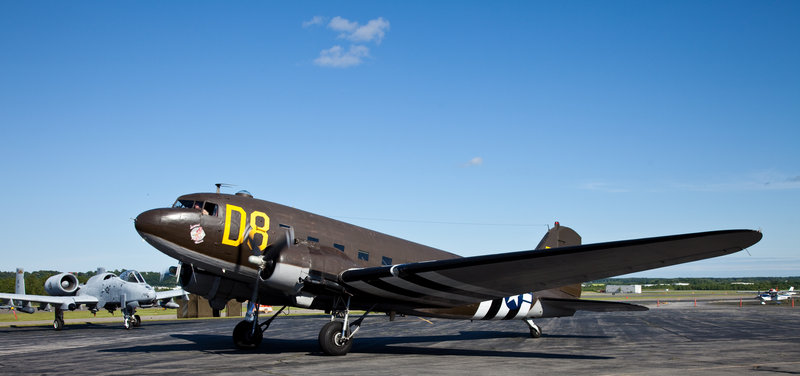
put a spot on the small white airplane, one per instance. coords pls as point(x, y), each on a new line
point(127, 292)
point(774, 295)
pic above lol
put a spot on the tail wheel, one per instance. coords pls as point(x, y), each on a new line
point(331, 340)
point(243, 336)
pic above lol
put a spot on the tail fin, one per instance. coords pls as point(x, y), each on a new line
point(19, 288)
point(559, 236)
point(562, 236)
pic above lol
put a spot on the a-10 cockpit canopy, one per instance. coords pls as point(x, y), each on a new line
point(207, 207)
point(131, 276)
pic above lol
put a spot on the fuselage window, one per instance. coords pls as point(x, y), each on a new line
point(208, 208)
point(338, 246)
point(386, 260)
point(363, 255)
point(183, 204)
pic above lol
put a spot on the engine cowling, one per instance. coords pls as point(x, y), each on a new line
point(216, 289)
point(61, 284)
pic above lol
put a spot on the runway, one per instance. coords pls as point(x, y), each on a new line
point(667, 340)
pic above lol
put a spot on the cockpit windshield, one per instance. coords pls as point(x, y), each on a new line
point(208, 208)
point(131, 276)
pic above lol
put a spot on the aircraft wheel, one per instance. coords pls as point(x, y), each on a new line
point(127, 322)
point(58, 324)
point(536, 332)
point(243, 336)
point(331, 341)
point(137, 321)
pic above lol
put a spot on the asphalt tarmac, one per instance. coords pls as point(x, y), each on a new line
point(674, 339)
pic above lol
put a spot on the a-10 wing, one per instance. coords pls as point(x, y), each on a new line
point(453, 282)
point(168, 294)
point(63, 301)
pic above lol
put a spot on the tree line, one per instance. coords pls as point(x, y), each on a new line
point(733, 284)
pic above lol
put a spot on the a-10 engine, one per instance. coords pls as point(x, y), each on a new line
point(61, 284)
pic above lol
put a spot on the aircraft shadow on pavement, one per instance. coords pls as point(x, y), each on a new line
point(366, 345)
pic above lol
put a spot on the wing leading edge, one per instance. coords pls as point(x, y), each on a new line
point(453, 282)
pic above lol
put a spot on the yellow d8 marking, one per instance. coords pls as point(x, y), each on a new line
point(255, 227)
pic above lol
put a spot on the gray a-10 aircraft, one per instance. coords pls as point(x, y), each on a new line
point(108, 291)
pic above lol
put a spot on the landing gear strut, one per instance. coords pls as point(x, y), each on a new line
point(536, 331)
point(130, 319)
point(248, 334)
point(336, 337)
point(58, 323)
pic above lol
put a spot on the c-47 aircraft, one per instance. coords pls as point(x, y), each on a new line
point(102, 291)
point(238, 247)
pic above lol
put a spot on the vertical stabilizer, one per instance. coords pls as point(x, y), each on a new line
point(562, 236)
point(559, 236)
point(19, 288)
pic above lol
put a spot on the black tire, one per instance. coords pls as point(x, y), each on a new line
point(137, 321)
point(536, 333)
point(58, 324)
point(244, 338)
point(331, 341)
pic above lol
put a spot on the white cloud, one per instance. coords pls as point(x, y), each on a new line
point(477, 161)
point(603, 187)
point(342, 57)
point(317, 20)
point(373, 30)
point(337, 57)
point(342, 24)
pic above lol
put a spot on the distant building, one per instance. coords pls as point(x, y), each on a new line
point(624, 289)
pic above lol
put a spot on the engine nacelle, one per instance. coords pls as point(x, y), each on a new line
point(63, 284)
point(216, 289)
point(286, 278)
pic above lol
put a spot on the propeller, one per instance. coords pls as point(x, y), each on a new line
point(267, 259)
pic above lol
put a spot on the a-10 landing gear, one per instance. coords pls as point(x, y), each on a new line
point(58, 323)
point(131, 321)
point(536, 331)
point(248, 334)
point(129, 317)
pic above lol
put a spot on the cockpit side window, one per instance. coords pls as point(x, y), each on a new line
point(210, 208)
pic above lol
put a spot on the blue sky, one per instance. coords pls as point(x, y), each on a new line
point(619, 119)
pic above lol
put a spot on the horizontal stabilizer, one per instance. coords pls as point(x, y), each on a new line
point(591, 305)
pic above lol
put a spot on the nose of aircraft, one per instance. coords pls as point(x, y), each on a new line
point(148, 221)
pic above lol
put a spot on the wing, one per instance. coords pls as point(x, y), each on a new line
point(168, 294)
point(448, 283)
point(63, 301)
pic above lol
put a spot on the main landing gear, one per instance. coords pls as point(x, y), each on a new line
point(536, 331)
point(58, 323)
point(336, 337)
point(248, 334)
